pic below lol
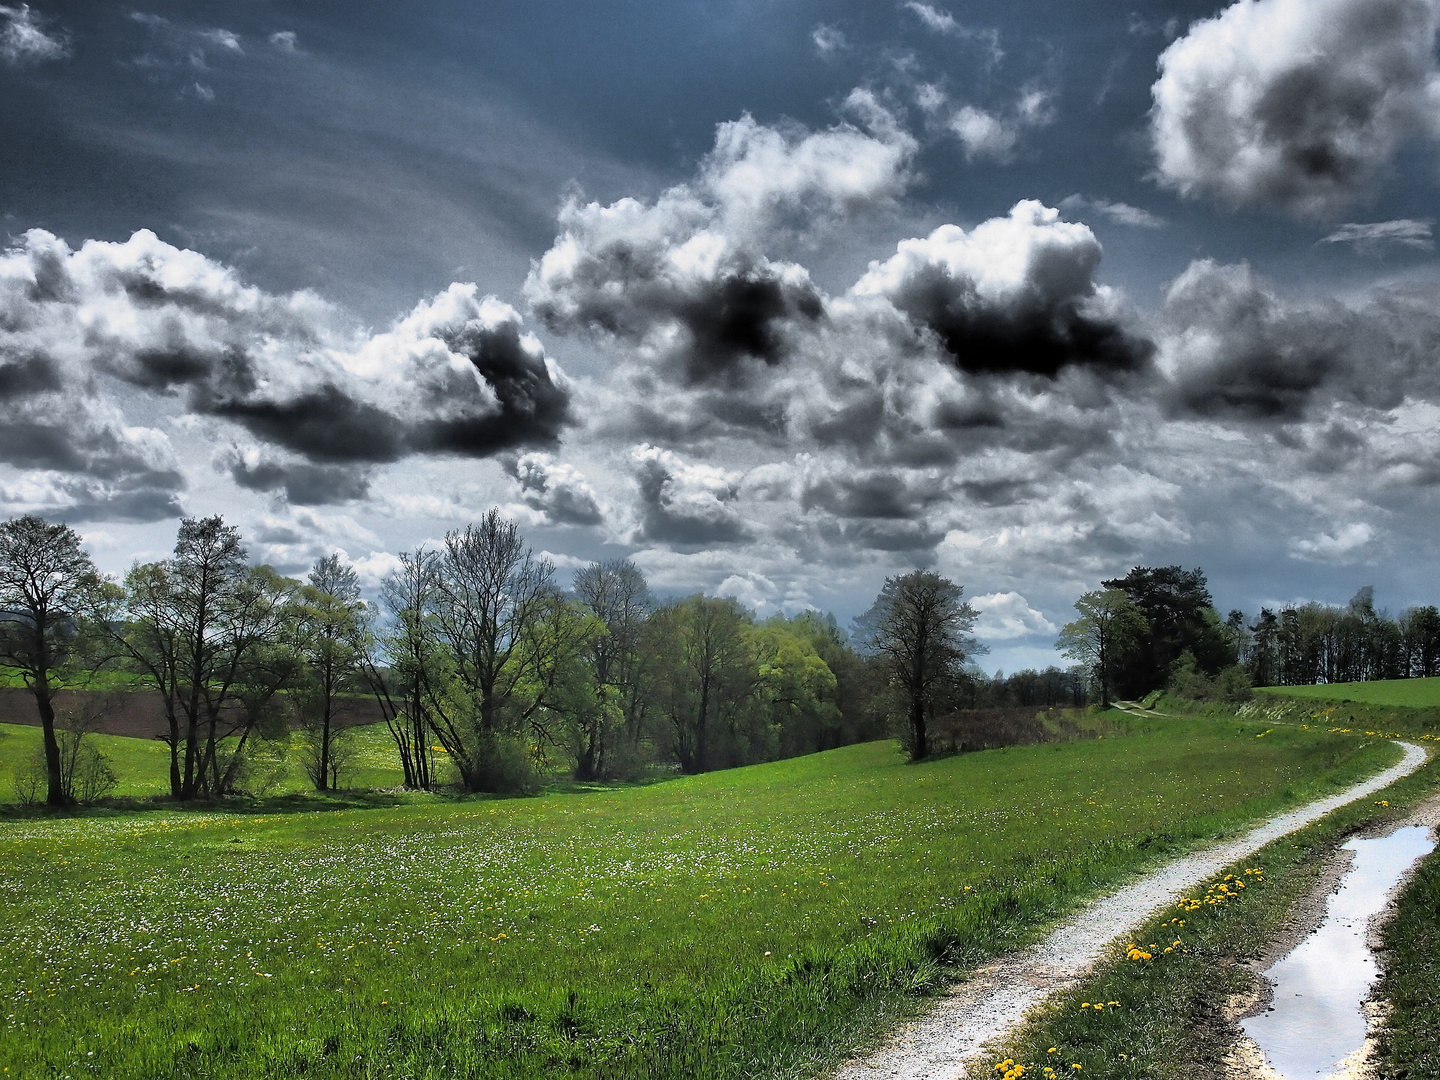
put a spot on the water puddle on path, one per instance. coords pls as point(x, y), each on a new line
point(1316, 1020)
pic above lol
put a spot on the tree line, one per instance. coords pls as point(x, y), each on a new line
point(1158, 627)
point(484, 669)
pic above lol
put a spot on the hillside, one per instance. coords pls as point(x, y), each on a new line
point(741, 923)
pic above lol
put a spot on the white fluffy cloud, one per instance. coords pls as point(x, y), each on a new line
point(1008, 615)
point(685, 504)
point(26, 38)
point(559, 492)
point(685, 278)
point(1294, 104)
point(1342, 545)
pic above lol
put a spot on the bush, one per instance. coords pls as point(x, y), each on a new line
point(1230, 686)
point(263, 768)
point(627, 761)
point(86, 772)
point(29, 780)
point(504, 766)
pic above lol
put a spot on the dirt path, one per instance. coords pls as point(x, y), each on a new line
point(1136, 709)
point(941, 1043)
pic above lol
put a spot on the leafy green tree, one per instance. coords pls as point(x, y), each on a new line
point(1420, 630)
point(703, 673)
point(1107, 634)
point(616, 593)
point(47, 583)
point(920, 627)
point(212, 636)
point(1265, 649)
point(795, 689)
point(1179, 616)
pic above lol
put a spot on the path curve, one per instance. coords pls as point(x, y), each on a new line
point(994, 999)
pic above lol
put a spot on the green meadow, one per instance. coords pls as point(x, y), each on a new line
point(757, 922)
point(142, 765)
point(1403, 693)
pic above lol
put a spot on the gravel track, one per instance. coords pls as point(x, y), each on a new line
point(941, 1043)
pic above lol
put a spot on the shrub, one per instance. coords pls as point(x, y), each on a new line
point(504, 766)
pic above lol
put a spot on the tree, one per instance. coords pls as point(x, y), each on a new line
point(1106, 635)
point(796, 688)
point(1265, 649)
point(46, 582)
point(1179, 617)
point(616, 593)
point(211, 635)
point(414, 673)
point(1420, 628)
point(703, 673)
point(920, 625)
point(489, 588)
point(330, 615)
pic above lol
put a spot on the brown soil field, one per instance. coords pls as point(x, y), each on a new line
point(139, 714)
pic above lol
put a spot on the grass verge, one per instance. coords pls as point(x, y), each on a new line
point(1167, 1017)
point(1409, 1044)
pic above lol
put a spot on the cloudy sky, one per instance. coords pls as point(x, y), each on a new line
point(776, 297)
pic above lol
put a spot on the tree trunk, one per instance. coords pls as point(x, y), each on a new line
point(322, 782)
point(920, 744)
point(55, 793)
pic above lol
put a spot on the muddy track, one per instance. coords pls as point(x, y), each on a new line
point(942, 1043)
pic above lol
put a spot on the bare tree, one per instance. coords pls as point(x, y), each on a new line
point(330, 617)
point(405, 687)
point(46, 582)
point(920, 626)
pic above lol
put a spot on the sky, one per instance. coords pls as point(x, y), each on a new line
point(776, 298)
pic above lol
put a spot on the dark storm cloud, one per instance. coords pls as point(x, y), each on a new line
point(1013, 295)
point(707, 312)
point(304, 483)
point(1236, 349)
point(874, 495)
point(1294, 104)
point(132, 502)
point(456, 376)
point(22, 375)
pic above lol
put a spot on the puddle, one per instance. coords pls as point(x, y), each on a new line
point(1316, 1020)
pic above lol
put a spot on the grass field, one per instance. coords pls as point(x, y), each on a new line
point(745, 923)
point(1403, 693)
point(142, 766)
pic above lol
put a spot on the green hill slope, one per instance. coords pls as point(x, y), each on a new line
point(747, 923)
